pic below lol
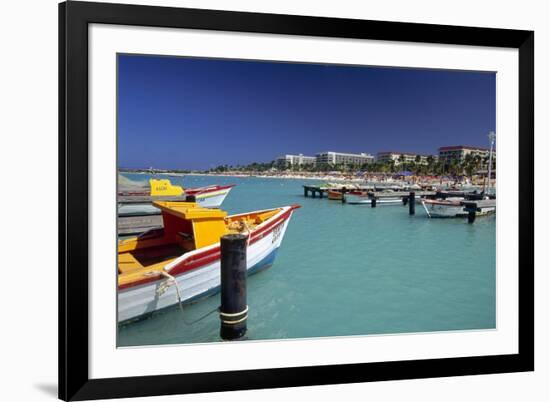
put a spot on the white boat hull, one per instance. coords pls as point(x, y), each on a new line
point(212, 200)
point(141, 300)
point(450, 210)
point(443, 211)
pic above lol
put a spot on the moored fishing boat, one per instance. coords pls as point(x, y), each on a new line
point(448, 208)
point(451, 208)
point(334, 195)
point(208, 197)
point(364, 198)
point(181, 261)
point(338, 194)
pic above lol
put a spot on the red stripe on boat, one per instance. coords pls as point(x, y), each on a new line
point(206, 190)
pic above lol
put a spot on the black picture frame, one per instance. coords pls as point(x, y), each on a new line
point(74, 381)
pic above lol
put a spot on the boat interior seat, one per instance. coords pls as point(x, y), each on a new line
point(141, 272)
point(148, 258)
point(127, 262)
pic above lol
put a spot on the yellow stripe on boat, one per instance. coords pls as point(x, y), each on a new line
point(212, 194)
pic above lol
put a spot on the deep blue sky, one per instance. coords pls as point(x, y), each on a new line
point(199, 113)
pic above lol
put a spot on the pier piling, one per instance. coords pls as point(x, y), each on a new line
point(233, 308)
point(471, 215)
point(412, 203)
point(373, 202)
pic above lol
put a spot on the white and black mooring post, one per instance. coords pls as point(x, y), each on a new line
point(233, 309)
point(412, 203)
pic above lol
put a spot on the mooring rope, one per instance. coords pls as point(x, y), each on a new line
point(243, 227)
point(171, 280)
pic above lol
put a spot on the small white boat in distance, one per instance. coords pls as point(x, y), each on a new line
point(451, 208)
point(448, 208)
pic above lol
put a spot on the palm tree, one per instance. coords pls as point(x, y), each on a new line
point(453, 167)
point(469, 165)
point(430, 163)
point(401, 159)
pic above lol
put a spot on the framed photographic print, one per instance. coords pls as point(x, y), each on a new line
point(257, 200)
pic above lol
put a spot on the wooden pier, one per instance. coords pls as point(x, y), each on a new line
point(314, 190)
point(147, 199)
point(373, 192)
point(399, 194)
point(133, 225)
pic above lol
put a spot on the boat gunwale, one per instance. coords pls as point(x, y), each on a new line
point(448, 203)
point(208, 189)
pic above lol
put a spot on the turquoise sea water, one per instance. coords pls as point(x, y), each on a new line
point(346, 270)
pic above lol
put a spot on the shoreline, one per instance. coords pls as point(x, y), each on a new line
point(374, 178)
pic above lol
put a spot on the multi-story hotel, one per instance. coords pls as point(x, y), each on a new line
point(291, 160)
point(459, 152)
point(336, 158)
point(409, 157)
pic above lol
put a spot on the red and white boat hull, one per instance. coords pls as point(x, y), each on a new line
point(198, 272)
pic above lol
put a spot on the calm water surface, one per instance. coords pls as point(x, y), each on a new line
point(346, 270)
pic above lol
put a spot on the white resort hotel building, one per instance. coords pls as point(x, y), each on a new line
point(325, 158)
point(292, 160)
point(408, 157)
point(335, 158)
point(459, 152)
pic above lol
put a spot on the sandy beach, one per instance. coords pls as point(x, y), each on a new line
point(340, 179)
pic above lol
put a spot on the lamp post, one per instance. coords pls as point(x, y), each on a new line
point(492, 137)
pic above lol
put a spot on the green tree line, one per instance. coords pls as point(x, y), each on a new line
point(469, 166)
